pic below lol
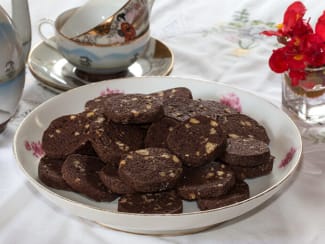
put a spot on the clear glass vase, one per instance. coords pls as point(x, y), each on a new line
point(307, 99)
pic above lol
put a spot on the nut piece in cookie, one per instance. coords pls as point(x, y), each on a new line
point(81, 174)
point(150, 169)
point(151, 203)
point(173, 92)
point(210, 180)
point(197, 141)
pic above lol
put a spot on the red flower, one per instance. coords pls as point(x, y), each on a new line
point(302, 46)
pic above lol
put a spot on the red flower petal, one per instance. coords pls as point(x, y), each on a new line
point(278, 61)
point(294, 12)
point(320, 26)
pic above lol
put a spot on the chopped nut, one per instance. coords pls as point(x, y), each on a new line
point(77, 133)
point(72, 117)
point(165, 155)
point(248, 123)
point(176, 159)
point(77, 180)
point(134, 99)
point(220, 173)
point(192, 196)
point(135, 113)
point(210, 147)
point(188, 126)
point(123, 200)
point(87, 126)
point(90, 114)
point(122, 162)
point(148, 106)
point(51, 135)
point(213, 131)
point(210, 175)
point(214, 123)
point(58, 131)
point(234, 136)
point(197, 153)
point(143, 152)
point(100, 120)
point(172, 174)
point(194, 121)
point(162, 174)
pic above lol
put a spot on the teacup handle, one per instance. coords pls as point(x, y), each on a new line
point(46, 39)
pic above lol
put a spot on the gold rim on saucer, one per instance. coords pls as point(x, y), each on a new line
point(54, 72)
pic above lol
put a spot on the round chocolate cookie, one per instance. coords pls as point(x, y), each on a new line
point(253, 172)
point(158, 132)
point(197, 141)
point(215, 109)
point(150, 170)
point(210, 180)
point(110, 178)
point(81, 174)
point(151, 203)
point(98, 104)
point(238, 193)
point(246, 152)
point(49, 172)
point(111, 140)
point(236, 125)
point(133, 109)
point(173, 92)
point(66, 135)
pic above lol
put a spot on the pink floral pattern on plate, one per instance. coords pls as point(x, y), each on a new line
point(287, 159)
point(35, 148)
point(231, 100)
point(108, 91)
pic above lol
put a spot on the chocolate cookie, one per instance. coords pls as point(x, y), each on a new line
point(150, 170)
point(110, 178)
point(66, 135)
point(238, 193)
point(81, 174)
point(252, 172)
point(197, 141)
point(210, 180)
point(246, 152)
point(98, 104)
point(158, 132)
point(151, 203)
point(111, 140)
point(236, 125)
point(173, 92)
point(133, 109)
point(49, 172)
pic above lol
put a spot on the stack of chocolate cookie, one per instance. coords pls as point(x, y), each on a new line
point(155, 150)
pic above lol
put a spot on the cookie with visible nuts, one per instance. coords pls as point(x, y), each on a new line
point(253, 172)
point(111, 140)
point(238, 193)
point(150, 169)
point(210, 180)
point(215, 109)
point(247, 152)
point(97, 104)
point(81, 174)
point(151, 203)
point(158, 131)
point(49, 172)
point(197, 141)
point(110, 178)
point(173, 92)
point(133, 109)
point(241, 125)
point(67, 135)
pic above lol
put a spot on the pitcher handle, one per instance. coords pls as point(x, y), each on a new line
point(47, 40)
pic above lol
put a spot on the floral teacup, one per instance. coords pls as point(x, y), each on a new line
point(92, 57)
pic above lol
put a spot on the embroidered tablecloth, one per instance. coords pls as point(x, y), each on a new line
point(214, 40)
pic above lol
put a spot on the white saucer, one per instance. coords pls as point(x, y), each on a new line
point(56, 73)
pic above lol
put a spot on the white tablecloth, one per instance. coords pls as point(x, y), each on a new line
point(211, 39)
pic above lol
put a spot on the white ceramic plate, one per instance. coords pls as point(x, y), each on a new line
point(286, 146)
